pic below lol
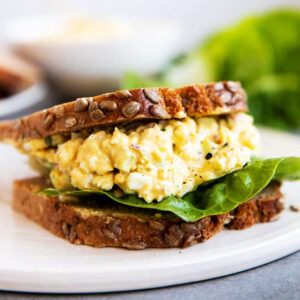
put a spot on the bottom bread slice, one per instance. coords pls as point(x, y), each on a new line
point(101, 222)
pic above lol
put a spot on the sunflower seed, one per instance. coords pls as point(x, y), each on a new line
point(131, 109)
point(72, 235)
point(109, 234)
point(93, 106)
point(218, 86)
point(97, 115)
point(48, 121)
point(81, 104)
point(134, 245)
point(237, 97)
point(44, 113)
point(232, 86)
point(107, 95)
point(108, 105)
point(188, 241)
point(123, 94)
point(66, 229)
point(59, 111)
point(70, 122)
point(158, 112)
point(152, 94)
point(156, 225)
point(176, 231)
point(114, 227)
point(189, 227)
point(225, 97)
point(171, 240)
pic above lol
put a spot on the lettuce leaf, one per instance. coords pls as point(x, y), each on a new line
point(216, 197)
point(261, 51)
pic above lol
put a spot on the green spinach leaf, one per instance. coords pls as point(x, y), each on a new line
point(216, 197)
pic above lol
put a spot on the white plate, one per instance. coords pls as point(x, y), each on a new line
point(32, 259)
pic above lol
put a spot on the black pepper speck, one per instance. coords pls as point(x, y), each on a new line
point(208, 156)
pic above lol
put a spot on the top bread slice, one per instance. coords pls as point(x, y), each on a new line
point(127, 106)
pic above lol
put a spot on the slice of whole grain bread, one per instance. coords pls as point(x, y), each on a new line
point(101, 223)
point(128, 106)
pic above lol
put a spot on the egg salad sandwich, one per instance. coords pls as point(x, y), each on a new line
point(149, 167)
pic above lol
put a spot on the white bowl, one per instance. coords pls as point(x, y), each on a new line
point(28, 98)
point(88, 64)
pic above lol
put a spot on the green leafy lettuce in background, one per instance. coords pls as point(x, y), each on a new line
point(216, 197)
point(263, 52)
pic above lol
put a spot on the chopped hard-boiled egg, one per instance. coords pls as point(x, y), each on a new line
point(170, 158)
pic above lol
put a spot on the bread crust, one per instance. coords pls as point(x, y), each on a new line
point(128, 106)
point(120, 226)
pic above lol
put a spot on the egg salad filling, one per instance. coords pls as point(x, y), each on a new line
point(156, 160)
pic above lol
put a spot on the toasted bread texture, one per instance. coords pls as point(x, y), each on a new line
point(101, 223)
point(127, 106)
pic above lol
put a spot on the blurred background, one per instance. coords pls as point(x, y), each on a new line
point(54, 51)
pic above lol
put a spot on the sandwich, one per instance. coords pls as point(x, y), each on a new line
point(149, 167)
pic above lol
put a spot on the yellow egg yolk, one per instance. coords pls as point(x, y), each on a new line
point(170, 158)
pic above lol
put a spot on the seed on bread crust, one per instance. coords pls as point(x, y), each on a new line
point(134, 245)
point(122, 94)
point(93, 106)
point(157, 225)
point(232, 86)
point(114, 227)
point(65, 228)
point(70, 122)
point(171, 240)
point(44, 113)
point(109, 234)
point(237, 97)
point(218, 86)
point(189, 227)
point(72, 234)
point(48, 121)
point(108, 105)
point(59, 111)
point(152, 94)
point(158, 111)
point(175, 236)
point(176, 231)
point(131, 109)
point(81, 104)
point(97, 115)
point(226, 97)
point(188, 241)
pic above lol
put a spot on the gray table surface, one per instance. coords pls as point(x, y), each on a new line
point(276, 280)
